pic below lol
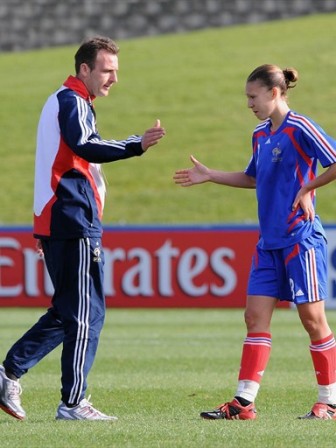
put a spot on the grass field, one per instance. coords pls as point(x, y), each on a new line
point(195, 84)
point(157, 369)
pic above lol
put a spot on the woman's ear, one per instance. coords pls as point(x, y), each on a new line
point(275, 91)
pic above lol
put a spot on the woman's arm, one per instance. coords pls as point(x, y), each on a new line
point(304, 198)
point(200, 173)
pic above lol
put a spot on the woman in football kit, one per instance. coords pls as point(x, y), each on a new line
point(290, 259)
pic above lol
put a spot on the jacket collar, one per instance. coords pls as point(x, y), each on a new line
point(79, 87)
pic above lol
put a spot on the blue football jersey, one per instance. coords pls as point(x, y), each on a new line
point(282, 162)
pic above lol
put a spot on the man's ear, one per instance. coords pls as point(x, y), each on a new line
point(84, 69)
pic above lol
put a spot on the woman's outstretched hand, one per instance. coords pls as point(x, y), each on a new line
point(198, 174)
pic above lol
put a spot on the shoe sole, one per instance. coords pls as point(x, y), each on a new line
point(315, 418)
point(208, 417)
point(10, 412)
point(88, 419)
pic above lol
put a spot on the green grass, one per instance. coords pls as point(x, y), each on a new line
point(157, 369)
point(195, 83)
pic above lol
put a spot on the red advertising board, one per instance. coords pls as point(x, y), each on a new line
point(144, 267)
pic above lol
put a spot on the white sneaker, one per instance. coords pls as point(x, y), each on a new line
point(10, 392)
point(83, 411)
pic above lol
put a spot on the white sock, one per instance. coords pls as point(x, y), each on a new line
point(247, 389)
point(327, 394)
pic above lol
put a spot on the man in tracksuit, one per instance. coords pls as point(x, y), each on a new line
point(68, 205)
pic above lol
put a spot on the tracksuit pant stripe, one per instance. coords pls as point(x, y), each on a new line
point(83, 320)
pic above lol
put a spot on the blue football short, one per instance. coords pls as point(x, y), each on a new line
point(296, 274)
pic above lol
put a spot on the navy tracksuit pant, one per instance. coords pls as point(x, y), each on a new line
point(75, 318)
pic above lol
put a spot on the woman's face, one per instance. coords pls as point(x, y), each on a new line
point(261, 99)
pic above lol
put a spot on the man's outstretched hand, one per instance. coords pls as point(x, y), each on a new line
point(152, 136)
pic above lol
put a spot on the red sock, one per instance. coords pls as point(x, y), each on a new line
point(323, 354)
point(255, 356)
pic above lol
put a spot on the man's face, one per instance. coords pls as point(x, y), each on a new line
point(99, 80)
